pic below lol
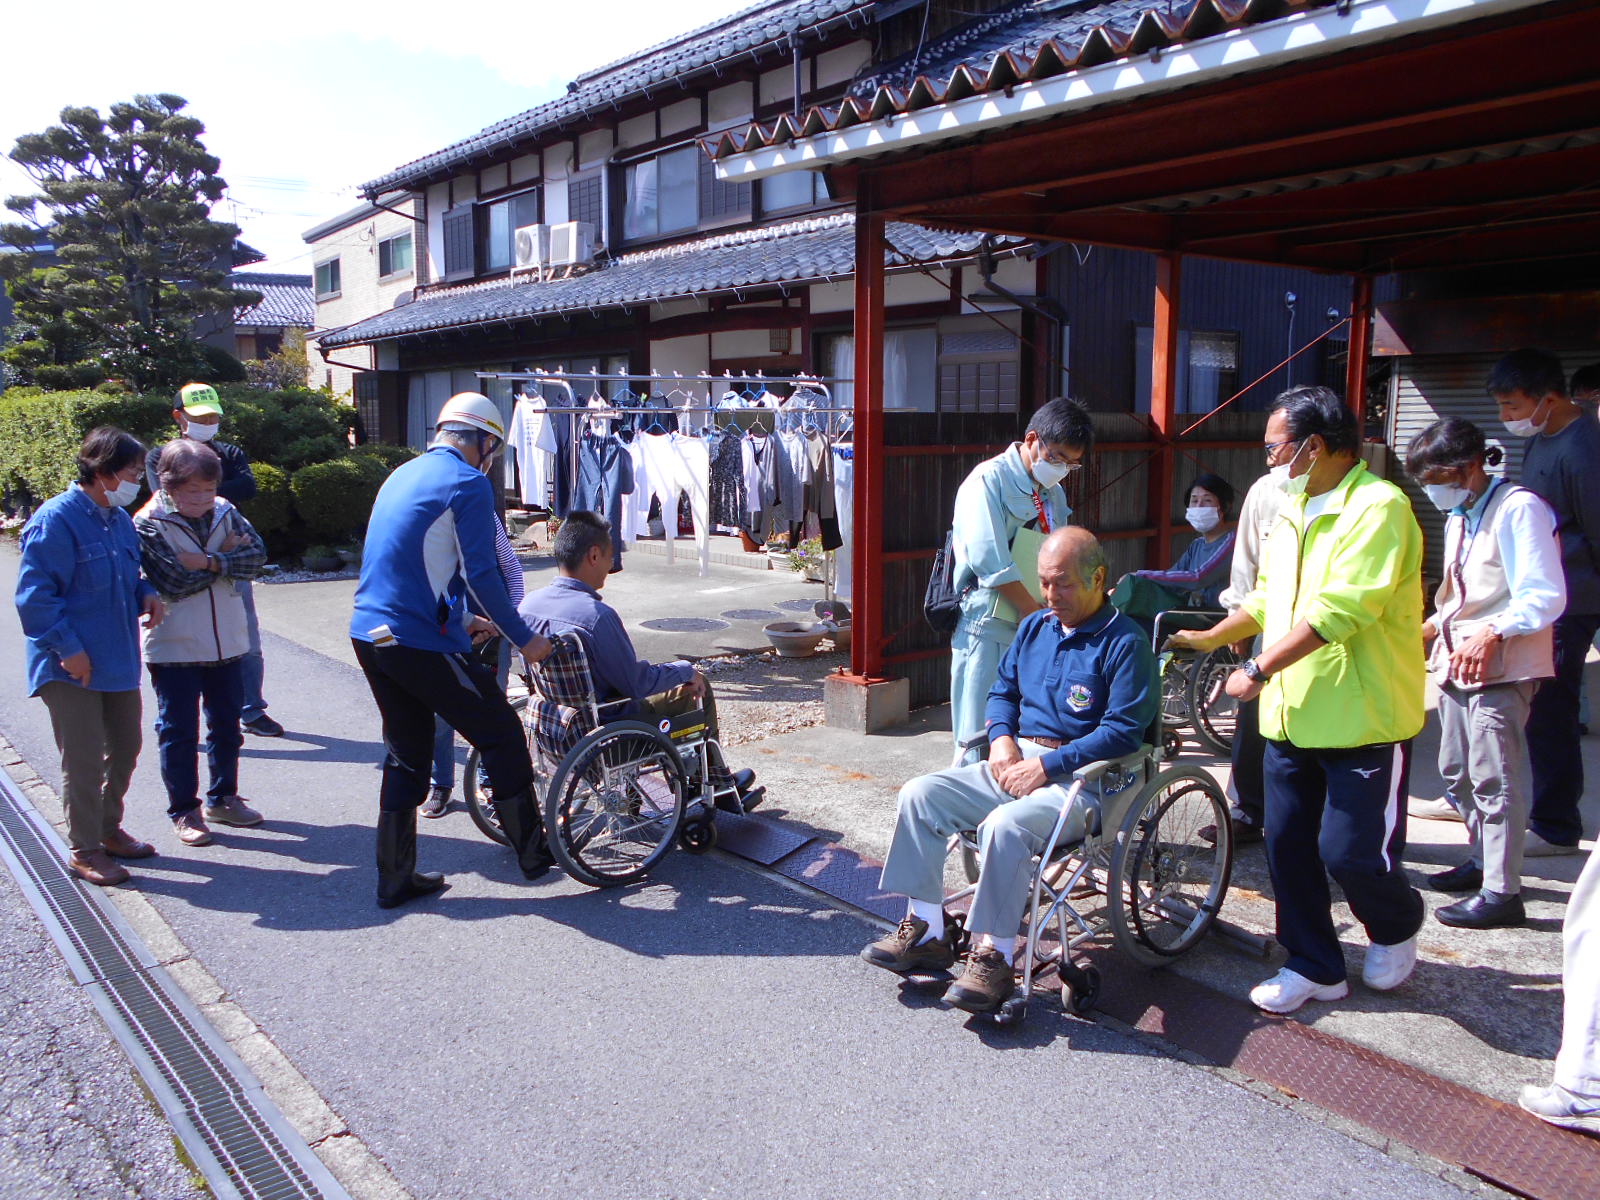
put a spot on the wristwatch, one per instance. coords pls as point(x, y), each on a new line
point(1254, 672)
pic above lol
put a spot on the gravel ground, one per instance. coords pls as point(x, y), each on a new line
point(74, 1120)
point(762, 695)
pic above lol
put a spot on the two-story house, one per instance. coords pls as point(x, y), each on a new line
point(363, 261)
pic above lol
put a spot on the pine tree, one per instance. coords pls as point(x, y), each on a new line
point(125, 202)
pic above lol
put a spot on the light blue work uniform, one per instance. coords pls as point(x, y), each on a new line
point(993, 502)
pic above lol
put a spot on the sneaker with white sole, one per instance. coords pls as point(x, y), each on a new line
point(1561, 1107)
point(1387, 967)
point(1288, 990)
point(1437, 809)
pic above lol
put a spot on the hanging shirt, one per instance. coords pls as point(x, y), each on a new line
point(532, 437)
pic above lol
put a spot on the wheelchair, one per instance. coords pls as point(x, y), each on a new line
point(1161, 884)
point(616, 794)
point(1192, 685)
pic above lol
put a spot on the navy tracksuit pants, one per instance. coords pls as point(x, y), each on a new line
point(1339, 813)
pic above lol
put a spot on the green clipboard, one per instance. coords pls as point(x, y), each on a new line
point(1025, 553)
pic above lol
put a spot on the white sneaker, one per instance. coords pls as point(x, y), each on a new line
point(1288, 990)
point(1387, 967)
point(1438, 809)
point(1560, 1107)
point(1534, 846)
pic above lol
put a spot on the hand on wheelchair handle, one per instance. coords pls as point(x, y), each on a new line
point(537, 650)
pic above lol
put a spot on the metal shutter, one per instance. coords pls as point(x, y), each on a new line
point(458, 243)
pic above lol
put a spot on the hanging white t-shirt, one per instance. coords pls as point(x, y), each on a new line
point(534, 439)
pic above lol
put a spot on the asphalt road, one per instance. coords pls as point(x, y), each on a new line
point(710, 1034)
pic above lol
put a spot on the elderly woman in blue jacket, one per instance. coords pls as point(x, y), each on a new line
point(80, 600)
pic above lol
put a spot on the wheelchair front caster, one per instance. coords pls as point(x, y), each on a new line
point(1080, 988)
point(696, 837)
point(1011, 1012)
point(1171, 744)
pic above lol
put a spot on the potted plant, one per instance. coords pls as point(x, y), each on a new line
point(321, 558)
point(807, 560)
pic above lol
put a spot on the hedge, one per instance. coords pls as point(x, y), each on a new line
point(335, 498)
point(272, 509)
point(40, 432)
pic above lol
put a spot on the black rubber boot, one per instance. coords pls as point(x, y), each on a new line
point(398, 880)
point(519, 817)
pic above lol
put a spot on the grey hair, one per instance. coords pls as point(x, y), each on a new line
point(183, 461)
point(459, 436)
point(1090, 557)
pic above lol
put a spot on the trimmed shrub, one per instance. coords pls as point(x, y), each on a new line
point(272, 508)
point(390, 456)
point(335, 498)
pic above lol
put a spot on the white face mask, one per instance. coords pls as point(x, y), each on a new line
point(1048, 474)
point(1203, 520)
point(1446, 496)
point(1279, 476)
point(1526, 427)
point(1295, 485)
point(123, 494)
point(201, 433)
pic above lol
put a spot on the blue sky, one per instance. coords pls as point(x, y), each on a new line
point(304, 101)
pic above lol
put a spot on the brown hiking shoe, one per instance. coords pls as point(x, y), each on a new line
point(904, 952)
point(97, 867)
point(191, 830)
point(985, 985)
point(122, 844)
point(231, 810)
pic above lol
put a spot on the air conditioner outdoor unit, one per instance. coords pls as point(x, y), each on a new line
point(571, 244)
point(532, 247)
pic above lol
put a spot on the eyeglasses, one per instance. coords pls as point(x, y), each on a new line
point(1272, 447)
point(1056, 462)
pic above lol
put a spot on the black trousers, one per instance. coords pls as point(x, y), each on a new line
point(1339, 813)
point(1553, 746)
point(412, 687)
point(1249, 768)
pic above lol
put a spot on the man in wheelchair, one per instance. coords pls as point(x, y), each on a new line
point(1075, 687)
point(582, 550)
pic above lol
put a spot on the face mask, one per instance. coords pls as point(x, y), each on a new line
point(1279, 476)
point(1295, 485)
point(1203, 520)
point(1526, 427)
point(1446, 496)
point(200, 433)
point(123, 494)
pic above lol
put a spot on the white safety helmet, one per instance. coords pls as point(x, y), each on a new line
point(473, 409)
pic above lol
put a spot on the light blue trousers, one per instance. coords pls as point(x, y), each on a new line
point(975, 653)
point(1010, 833)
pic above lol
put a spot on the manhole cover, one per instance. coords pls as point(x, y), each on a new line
point(751, 614)
point(686, 625)
point(796, 605)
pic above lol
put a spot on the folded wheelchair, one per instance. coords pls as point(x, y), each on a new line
point(1192, 685)
point(616, 794)
point(1158, 884)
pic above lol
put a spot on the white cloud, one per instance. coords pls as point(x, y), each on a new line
point(299, 127)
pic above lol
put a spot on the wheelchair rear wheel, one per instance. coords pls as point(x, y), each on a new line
point(1167, 882)
point(615, 804)
point(480, 797)
point(1215, 713)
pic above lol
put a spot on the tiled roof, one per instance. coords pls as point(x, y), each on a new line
point(1024, 43)
point(769, 24)
point(797, 251)
point(287, 301)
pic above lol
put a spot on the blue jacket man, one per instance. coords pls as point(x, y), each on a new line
point(1076, 686)
point(430, 553)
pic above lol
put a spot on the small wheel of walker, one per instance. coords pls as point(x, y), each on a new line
point(1080, 989)
point(696, 837)
point(615, 804)
point(1011, 1012)
point(480, 797)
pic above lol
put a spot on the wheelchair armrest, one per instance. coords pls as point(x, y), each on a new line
point(974, 742)
point(1092, 772)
